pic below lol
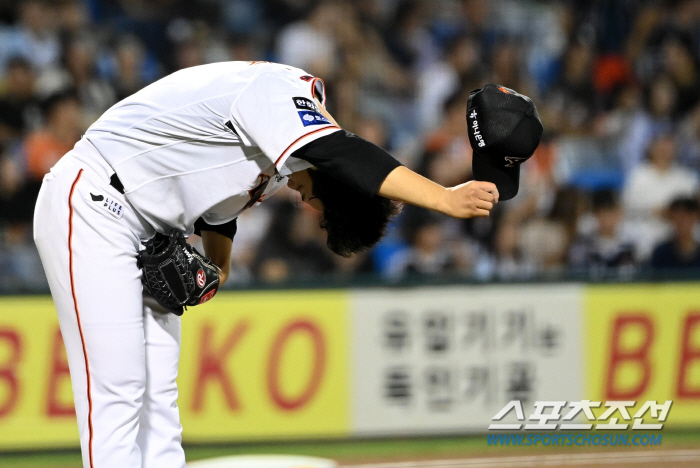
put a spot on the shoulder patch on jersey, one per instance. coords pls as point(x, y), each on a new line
point(312, 118)
point(305, 103)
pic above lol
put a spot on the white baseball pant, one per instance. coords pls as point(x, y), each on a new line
point(123, 355)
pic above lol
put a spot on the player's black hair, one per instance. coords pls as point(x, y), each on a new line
point(354, 221)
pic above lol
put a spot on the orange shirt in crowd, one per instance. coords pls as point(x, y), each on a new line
point(43, 150)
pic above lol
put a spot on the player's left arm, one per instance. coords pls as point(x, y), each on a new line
point(218, 248)
point(373, 171)
point(473, 199)
point(217, 241)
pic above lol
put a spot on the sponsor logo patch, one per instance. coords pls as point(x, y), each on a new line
point(201, 278)
point(108, 204)
point(312, 118)
point(304, 103)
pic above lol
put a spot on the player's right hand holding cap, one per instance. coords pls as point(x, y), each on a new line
point(504, 131)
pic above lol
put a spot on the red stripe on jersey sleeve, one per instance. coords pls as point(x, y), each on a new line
point(301, 138)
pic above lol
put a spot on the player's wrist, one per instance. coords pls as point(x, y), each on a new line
point(445, 202)
point(223, 275)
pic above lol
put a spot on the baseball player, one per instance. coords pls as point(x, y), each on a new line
point(188, 154)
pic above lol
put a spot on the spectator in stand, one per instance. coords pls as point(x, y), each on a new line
point(19, 110)
point(574, 95)
point(293, 244)
point(64, 126)
point(649, 190)
point(96, 94)
point(130, 56)
point(310, 43)
point(682, 250)
point(440, 80)
point(689, 141)
point(624, 86)
point(544, 241)
point(430, 252)
point(611, 245)
point(408, 40)
point(656, 117)
point(189, 54)
point(507, 66)
point(33, 38)
point(79, 72)
point(682, 67)
point(448, 154)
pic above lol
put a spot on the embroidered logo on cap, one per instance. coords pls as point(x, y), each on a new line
point(512, 161)
point(475, 129)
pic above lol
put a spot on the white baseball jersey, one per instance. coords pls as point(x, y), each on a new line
point(204, 140)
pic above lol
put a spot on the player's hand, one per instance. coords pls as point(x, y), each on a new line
point(470, 200)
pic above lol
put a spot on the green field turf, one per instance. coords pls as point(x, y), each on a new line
point(349, 451)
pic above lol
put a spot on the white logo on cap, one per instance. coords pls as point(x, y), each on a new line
point(477, 133)
point(512, 161)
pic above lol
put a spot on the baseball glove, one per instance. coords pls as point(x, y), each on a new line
point(175, 274)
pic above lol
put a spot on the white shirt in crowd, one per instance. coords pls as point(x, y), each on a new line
point(649, 190)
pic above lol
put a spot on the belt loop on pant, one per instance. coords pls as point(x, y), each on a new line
point(116, 183)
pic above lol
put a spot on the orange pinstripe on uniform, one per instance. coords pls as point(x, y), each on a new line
point(77, 312)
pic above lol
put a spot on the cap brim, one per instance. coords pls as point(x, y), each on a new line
point(507, 179)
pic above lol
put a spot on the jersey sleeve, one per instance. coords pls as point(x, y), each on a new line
point(227, 229)
point(351, 159)
point(277, 113)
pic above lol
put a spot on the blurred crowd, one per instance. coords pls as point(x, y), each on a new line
point(612, 189)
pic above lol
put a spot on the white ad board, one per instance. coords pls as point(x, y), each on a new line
point(446, 359)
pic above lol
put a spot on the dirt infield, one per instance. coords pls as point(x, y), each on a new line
point(681, 450)
point(656, 458)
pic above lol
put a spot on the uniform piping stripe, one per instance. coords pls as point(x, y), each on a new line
point(77, 313)
point(323, 87)
point(301, 138)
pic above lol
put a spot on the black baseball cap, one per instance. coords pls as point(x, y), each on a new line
point(504, 131)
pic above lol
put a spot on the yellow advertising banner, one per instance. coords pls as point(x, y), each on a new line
point(643, 343)
point(266, 364)
point(253, 365)
point(36, 400)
